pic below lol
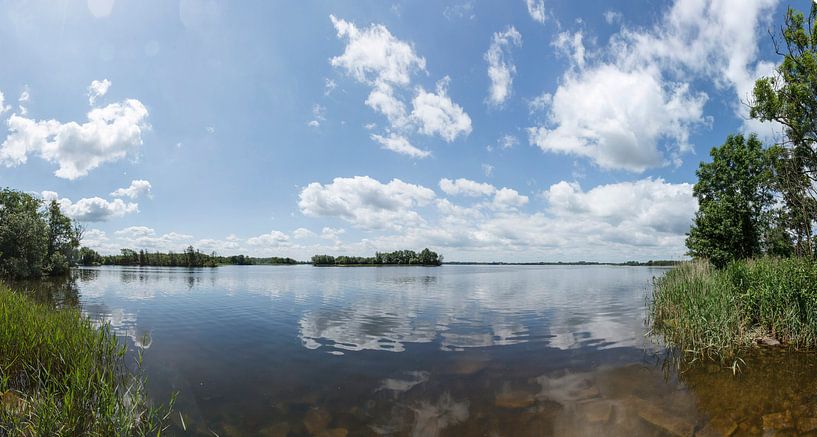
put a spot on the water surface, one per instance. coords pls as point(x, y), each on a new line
point(452, 350)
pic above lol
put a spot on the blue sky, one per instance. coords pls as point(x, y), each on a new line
point(520, 131)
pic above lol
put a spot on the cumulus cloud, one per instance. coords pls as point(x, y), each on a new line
point(500, 66)
point(302, 233)
point(366, 202)
point(651, 71)
point(93, 209)
point(435, 113)
point(375, 57)
point(621, 126)
point(400, 144)
point(98, 88)
point(110, 133)
point(536, 9)
point(466, 187)
point(3, 107)
point(508, 198)
point(652, 204)
point(136, 188)
point(273, 238)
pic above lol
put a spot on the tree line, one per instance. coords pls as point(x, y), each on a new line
point(426, 257)
point(755, 200)
point(190, 257)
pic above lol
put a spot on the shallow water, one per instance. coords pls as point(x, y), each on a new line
point(453, 350)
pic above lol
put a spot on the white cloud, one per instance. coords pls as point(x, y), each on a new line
point(136, 188)
point(500, 67)
point(435, 113)
point(98, 88)
point(366, 202)
point(508, 141)
point(400, 144)
point(22, 102)
point(135, 232)
point(273, 238)
point(111, 133)
point(332, 234)
point(540, 102)
point(460, 10)
point(611, 16)
point(318, 112)
point(572, 46)
point(652, 205)
point(620, 126)
point(329, 86)
point(487, 170)
point(302, 233)
point(623, 105)
point(3, 107)
point(93, 209)
point(508, 198)
point(375, 57)
point(536, 9)
point(466, 187)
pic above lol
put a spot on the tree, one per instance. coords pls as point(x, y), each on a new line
point(63, 240)
point(789, 97)
point(23, 235)
point(734, 202)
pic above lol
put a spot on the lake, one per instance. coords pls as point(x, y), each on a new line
point(452, 350)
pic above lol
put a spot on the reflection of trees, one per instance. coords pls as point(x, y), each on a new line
point(57, 291)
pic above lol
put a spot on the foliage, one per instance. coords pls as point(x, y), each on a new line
point(35, 240)
point(189, 258)
point(61, 376)
point(789, 97)
point(734, 202)
point(708, 312)
point(426, 257)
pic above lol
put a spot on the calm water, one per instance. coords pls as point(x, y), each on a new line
point(454, 350)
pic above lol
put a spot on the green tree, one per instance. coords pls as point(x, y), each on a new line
point(63, 240)
point(734, 202)
point(23, 235)
point(789, 97)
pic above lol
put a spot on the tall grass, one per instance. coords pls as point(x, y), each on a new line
point(716, 313)
point(61, 376)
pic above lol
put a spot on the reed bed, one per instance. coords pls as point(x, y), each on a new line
point(705, 312)
point(61, 376)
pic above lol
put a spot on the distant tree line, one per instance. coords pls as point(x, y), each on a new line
point(36, 238)
point(426, 257)
point(190, 257)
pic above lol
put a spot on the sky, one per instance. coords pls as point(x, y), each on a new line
point(525, 130)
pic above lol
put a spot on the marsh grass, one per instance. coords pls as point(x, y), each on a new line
point(705, 312)
point(61, 376)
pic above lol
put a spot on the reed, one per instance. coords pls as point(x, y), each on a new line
point(707, 312)
point(61, 376)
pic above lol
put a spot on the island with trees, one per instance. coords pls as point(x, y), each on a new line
point(425, 257)
point(753, 279)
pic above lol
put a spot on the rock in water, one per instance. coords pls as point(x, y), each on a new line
point(656, 416)
point(316, 420)
point(778, 421)
point(514, 399)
